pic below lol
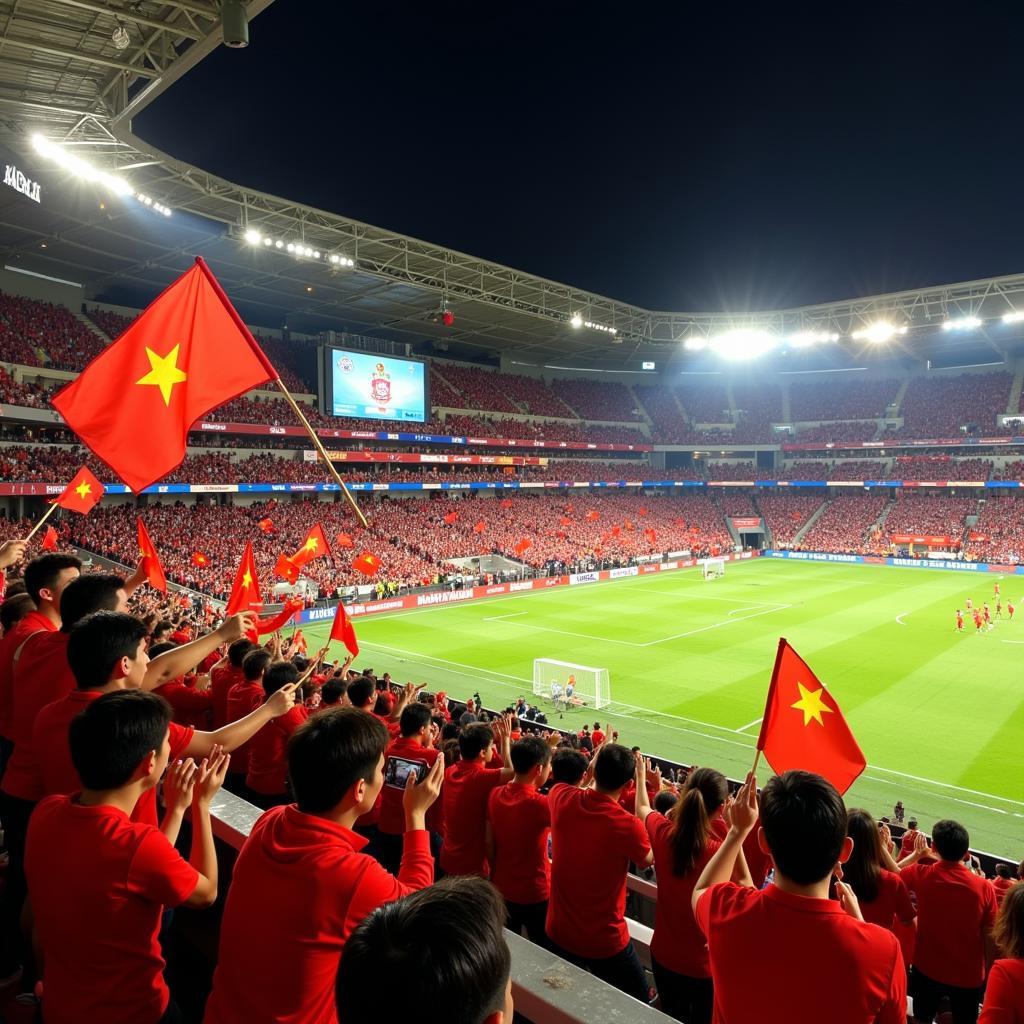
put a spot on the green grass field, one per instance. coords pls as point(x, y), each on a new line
point(940, 716)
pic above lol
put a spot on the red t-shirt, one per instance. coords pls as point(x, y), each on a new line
point(32, 623)
point(188, 705)
point(53, 753)
point(907, 842)
point(268, 760)
point(221, 681)
point(597, 737)
point(98, 884)
point(955, 909)
point(300, 884)
point(467, 786)
point(892, 903)
point(678, 943)
point(41, 675)
point(593, 841)
point(521, 823)
point(243, 699)
point(1004, 994)
point(1001, 886)
point(392, 810)
point(778, 958)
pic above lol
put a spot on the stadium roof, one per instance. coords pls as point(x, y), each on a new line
point(77, 71)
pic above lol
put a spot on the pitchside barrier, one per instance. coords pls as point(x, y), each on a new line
point(951, 564)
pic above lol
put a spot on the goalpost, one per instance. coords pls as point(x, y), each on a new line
point(712, 568)
point(590, 686)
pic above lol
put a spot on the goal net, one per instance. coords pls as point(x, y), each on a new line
point(567, 685)
point(712, 568)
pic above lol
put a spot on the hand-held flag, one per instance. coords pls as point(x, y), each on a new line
point(82, 494)
point(803, 726)
point(50, 539)
point(245, 591)
point(186, 354)
point(367, 563)
point(343, 540)
point(314, 546)
point(150, 559)
point(286, 569)
point(342, 630)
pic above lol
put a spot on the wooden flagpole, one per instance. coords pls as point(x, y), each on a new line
point(35, 529)
point(320, 449)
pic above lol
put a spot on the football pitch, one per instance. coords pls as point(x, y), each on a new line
point(939, 715)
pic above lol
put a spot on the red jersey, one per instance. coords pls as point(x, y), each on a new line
point(891, 904)
point(189, 706)
point(392, 809)
point(593, 841)
point(954, 910)
point(221, 681)
point(53, 755)
point(243, 699)
point(467, 787)
point(98, 884)
point(268, 760)
point(303, 880)
point(34, 622)
point(1004, 993)
point(41, 675)
point(1000, 886)
point(597, 738)
point(521, 824)
point(850, 972)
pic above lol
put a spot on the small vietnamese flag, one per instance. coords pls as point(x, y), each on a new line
point(342, 630)
point(628, 524)
point(291, 607)
point(82, 494)
point(266, 525)
point(50, 539)
point(593, 515)
point(286, 568)
point(314, 546)
point(506, 503)
point(523, 545)
point(150, 559)
point(803, 726)
point(367, 563)
point(651, 535)
point(616, 530)
point(565, 521)
point(198, 558)
point(642, 511)
point(245, 591)
point(343, 540)
point(187, 353)
point(452, 517)
point(480, 527)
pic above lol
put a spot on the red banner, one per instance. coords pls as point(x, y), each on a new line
point(437, 460)
point(746, 522)
point(925, 541)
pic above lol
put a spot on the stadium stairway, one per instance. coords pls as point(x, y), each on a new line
point(639, 406)
point(897, 402)
point(815, 516)
point(787, 410)
point(95, 328)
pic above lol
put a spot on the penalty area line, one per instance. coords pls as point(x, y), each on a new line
point(899, 618)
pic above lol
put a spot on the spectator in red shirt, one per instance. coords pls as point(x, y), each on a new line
point(909, 838)
point(468, 785)
point(516, 839)
point(331, 692)
point(85, 859)
point(244, 698)
point(956, 909)
point(683, 842)
point(594, 839)
point(302, 877)
point(191, 704)
point(14, 608)
point(1004, 991)
point(568, 766)
point(1003, 882)
point(267, 777)
point(447, 946)
point(597, 737)
point(225, 675)
point(847, 971)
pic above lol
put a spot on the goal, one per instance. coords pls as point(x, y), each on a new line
point(590, 686)
point(712, 568)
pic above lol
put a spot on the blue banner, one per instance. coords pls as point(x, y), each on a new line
point(951, 564)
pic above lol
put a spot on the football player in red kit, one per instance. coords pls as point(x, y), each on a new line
point(978, 624)
point(999, 608)
point(1009, 609)
point(959, 621)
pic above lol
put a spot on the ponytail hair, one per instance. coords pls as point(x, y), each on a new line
point(703, 794)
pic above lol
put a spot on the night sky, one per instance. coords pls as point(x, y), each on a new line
point(676, 155)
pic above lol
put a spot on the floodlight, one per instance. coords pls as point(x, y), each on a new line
point(1014, 317)
point(291, 247)
point(695, 343)
point(743, 343)
point(279, 244)
point(576, 320)
point(253, 237)
point(268, 241)
point(963, 323)
point(878, 332)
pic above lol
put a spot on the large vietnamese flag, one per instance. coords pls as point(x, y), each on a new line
point(803, 726)
point(342, 630)
point(186, 354)
point(245, 591)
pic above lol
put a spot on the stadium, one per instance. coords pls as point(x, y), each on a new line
point(535, 500)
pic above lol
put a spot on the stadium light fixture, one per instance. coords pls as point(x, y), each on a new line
point(253, 237)
point(598, 327)
point(576, 321)
point(963, 323)
point(879, 332)
point(742, 343)
point(695, 343)
point(79, 167)
point(1015, 317)
point(805, 339)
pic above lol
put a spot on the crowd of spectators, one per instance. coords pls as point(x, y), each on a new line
point(843, 526)
point(940, 467)
point(998, 535)
point(596, 400)
point(826, 469)
point(946, 406)
point(842, 430)
point(13, 392)
point(815, 397)
point(786, 514)
point(930, 515)
point(66, 343)
point(490, 390)
point(758, 406)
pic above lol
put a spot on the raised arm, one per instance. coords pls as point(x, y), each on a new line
point(180, 660)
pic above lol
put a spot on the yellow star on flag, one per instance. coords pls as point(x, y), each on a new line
point(163, 372)
point(311, 544)
point(83, 489)
point(247, 579)
point(811, 705)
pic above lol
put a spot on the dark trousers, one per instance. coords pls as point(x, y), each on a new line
point(928, 993)
point(528, 917)
point(14, 813)
point(687, 999)
point(622, 971)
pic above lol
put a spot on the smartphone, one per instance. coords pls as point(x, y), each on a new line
point(397, 771)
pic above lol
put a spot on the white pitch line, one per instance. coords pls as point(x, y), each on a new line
point(899, 618)
point(1011, 641)
point(743, 728)
point(507, 615)
point(717, 625)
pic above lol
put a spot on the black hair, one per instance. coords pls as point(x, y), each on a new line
point(98, 642)
point(278, 674)
point(238, 649)
point(1004, 871)
point(950, 840)
point(330, 752)
point(414, 717)
point(255, 663)
point(703, 794)
point(529, 752)
point(161, 628)
point(863, 871)
point(114, 733)
point(614, 767)
point(474, 740)
point(92, 592)
point(15, 587)
point(912, 823)
point(445, 942)
point(331, 691)
point(361, 691)
point(44, 571)
point(14, 609)
point(163, 647)
point(568, 766)
point(804, 821)
point(665, 801)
